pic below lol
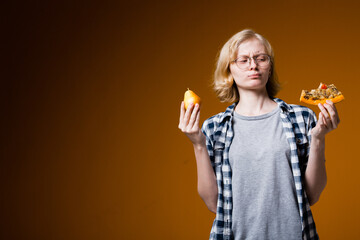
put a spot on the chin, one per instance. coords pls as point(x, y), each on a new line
point(257, 84)
point(258, 87)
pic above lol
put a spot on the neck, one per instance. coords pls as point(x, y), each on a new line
point(253, 103)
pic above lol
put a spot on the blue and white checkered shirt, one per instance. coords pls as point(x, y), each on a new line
point(297, 122)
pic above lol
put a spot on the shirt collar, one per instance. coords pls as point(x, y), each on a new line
point(283, 105)
point(228, 112)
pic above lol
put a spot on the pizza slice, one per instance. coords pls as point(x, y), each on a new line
point(321, 94)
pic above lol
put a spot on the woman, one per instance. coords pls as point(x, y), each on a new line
point(261, 163)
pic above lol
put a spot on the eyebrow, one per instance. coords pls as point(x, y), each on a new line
point(257, 54)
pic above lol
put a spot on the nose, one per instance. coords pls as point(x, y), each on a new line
point(252, 63)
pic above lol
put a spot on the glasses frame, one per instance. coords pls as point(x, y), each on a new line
point(252, 58)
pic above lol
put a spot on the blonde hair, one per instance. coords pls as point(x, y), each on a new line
point(223, 84)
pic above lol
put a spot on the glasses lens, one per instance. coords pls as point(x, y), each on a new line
point(242, 62)
point(261, 60)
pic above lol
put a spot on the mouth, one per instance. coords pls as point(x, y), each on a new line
point(255, 75)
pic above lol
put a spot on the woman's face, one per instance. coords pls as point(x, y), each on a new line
point(253, 77)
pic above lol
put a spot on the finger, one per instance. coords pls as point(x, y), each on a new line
point(188, 114)
point(193, 116)
point(197, 120)
point(336, 114)
point(333, 115)
point(322, 121)
point(331, 118)
point(182, 112)
point(325, 115)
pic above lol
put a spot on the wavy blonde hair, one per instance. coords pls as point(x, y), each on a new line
point(224, 84)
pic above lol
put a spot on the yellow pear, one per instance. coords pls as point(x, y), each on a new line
point(191, 97)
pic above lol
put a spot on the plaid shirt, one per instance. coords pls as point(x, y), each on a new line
point(297, 122)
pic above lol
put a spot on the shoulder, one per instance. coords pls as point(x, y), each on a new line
point(305, 112)
point(304, 117)
point(300, 108)
point(212, 123)
point(215, 122)
point(295, 110)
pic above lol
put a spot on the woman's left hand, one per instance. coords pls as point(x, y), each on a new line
point(328, 120)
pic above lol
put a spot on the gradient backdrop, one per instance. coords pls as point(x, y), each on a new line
point(90, 96)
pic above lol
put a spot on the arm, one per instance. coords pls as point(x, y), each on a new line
point(315, 175)
point(207, 186)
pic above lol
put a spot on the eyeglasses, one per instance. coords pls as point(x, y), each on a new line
point(261, 60)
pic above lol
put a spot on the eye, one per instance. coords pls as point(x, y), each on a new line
point(242, 60)
point(262, 58)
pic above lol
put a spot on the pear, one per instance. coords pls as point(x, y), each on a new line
point(191, 97)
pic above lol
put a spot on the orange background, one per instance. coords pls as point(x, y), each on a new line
point(90, 105)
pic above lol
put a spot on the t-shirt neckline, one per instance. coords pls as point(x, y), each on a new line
point(258, 117)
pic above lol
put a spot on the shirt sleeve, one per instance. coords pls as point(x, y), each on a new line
point(208, 128)
point(310, 124)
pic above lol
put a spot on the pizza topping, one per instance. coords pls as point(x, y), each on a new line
point(321, 94)
point(322, 86)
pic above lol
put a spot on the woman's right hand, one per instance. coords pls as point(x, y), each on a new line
point(189, 123)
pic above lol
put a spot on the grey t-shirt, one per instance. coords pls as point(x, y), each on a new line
point(264, 195)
